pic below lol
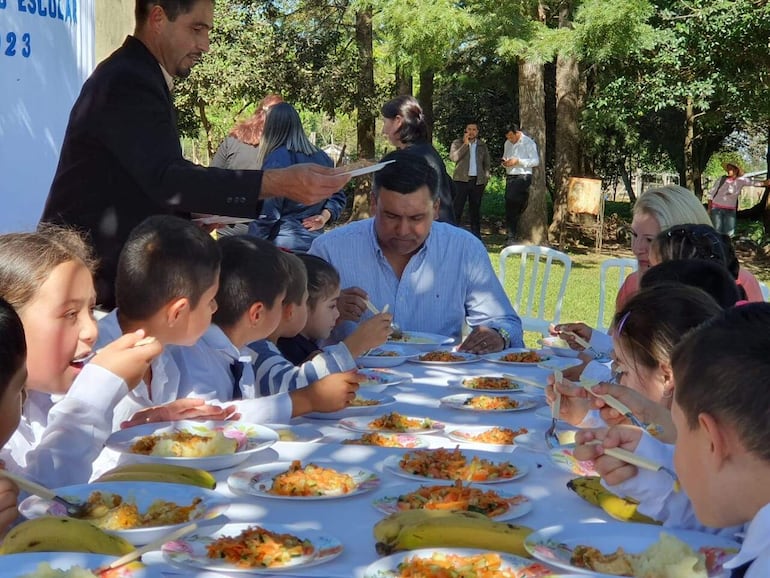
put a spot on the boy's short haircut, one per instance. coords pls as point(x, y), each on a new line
point(710, 276)
point(322, 278)
point(13, 346)
point(723, 369)
point(164, 258)
point(296, 284)
point(252, 271)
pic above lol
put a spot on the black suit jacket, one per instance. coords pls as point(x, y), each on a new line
point(121, 161)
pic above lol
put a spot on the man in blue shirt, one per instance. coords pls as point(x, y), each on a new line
point(435, 277)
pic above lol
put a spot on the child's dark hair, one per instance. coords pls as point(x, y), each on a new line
point(695, 241)
point(164, 258)
point(13, 346)
point(710, 276)
point(408, 173)
point(296, 283)
point(252, 272)
point(723, 369)
point(322, 278)
point(654, 320)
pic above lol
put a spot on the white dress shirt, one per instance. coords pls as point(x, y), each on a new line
point(525, 150)
point(756, 546)
point(473, 170)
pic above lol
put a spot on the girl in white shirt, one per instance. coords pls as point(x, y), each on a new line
point(47, 277)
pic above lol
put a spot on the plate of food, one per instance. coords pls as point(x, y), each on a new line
point(317, 480)
point(386, 355)
point(445, 357)
point(299, 433)
point(453, 497)
point(491, 383)
point(485, 402)
point(487, 435)
point(139, 512)
point(253, 548)
point(480, 563)
point(388, 440)
point(393, 422)
point(622, 549)
point(420, 341)
point(362, 404)
point(208, 445)
point(456, 464)
point(564, 458)
point(560, 363)
point(559, 347)
point(376, 379)
point(534, 440)
point(519, 356)
point(54, 564)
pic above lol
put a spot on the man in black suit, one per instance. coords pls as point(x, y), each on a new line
point(121, 160)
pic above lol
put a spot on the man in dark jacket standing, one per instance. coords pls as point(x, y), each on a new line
point(471, 175)
point(121, 160)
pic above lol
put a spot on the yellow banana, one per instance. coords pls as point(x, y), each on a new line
point(54, 534)
point(455, 530)
point(625, 509)
point(166, 473)
point(387, 529)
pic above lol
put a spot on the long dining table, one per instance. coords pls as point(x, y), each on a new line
point(351, 519)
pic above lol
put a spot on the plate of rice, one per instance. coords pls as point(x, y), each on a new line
point(208, 445)
point(67, 565)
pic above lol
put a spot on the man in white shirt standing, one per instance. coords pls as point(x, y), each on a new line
point(519, 157)
point(471, 174)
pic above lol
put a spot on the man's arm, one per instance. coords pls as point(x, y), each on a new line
point(458, 150)
point(529, 157)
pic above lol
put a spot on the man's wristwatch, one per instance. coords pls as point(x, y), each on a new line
point(505, 335)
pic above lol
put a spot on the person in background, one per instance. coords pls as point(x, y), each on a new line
point(471, 174)
point(724, 196)
point(288, 224)
point(121, 160)
point(520, 156)
point(437, 277)
point(403, 124)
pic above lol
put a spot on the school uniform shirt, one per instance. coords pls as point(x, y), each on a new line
point(57, 443)
point(756, 547)
point(657, 496)
point(276, 374)
point(164, 386)
point(205, 372)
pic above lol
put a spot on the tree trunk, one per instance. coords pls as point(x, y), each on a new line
point(627, 182)
point(366, 116)
point(404, 84)
point(689, 141)
point(426, 98)
point(567, 145)
point(533, 226)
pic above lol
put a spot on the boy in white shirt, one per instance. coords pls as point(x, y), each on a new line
point(252, 287)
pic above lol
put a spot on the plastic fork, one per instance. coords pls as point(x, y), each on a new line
point(638, 461)
point(613, 402)
point(583, 343)
point(551, 439)
point(74, 509)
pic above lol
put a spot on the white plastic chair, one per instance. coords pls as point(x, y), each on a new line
point(625, 267)
point(765, 291)
point(533, 313)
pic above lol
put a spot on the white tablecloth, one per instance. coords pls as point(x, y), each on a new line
point(351, 519)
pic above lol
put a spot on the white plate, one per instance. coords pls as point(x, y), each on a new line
point(355, 410)
point(361, 424)
point(559, 347)
point(463, 434)
point(560, 363)
point(554, 545)
point(248, 481)
point(221, 220)
point(534, 440)
point(375, 357)
point(458, 402)
point(15, 565)
point(405, 441)
point(388, 567)
point(465, 357)
point(382, 378)
point(387, 501)
point(191, 552)
point(143, 494)
point(420, 341)
point(512, 385)
point(497, 357)
point(392, 464)
point(563, 458)
point(366, 170)
point(300, 433)
point(251, 439)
